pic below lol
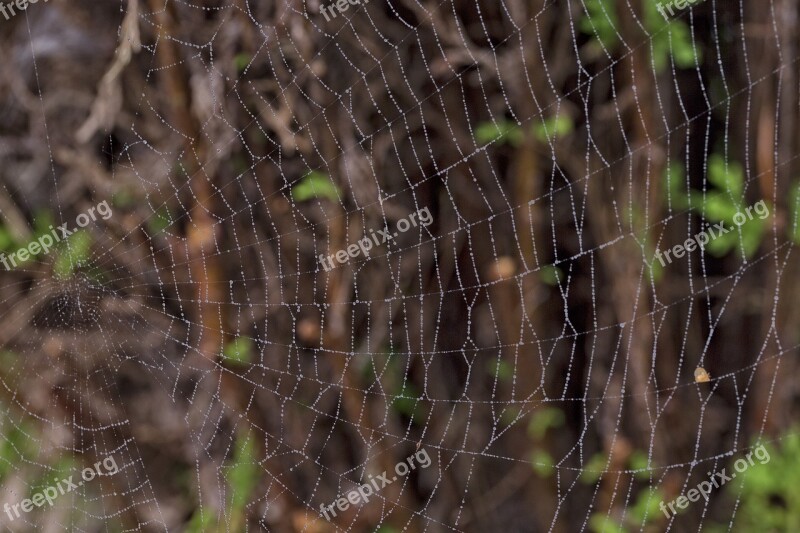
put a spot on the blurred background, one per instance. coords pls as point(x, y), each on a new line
point(527, 338)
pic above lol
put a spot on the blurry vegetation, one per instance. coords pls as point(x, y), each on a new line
point(405, 398)
point(243, 474)
point(42, 222)
point(551, 275)
point(315, 185)
point(19, 445)
point(602, 23)
point(768, 494)
point(540, 422)
point(794, 213)
point(642, 512)
point(69, 254)
point(503, 131)
point(547, 131)
point(243, 478)
point(72, 253)
point(543, 419)
point(387, 369)
point(239, 351)
point(669, 38)
point(500, 131)
point(500, 369)
point(123, 199)
point(160, 220)
point(241, 61)
point(719, 204)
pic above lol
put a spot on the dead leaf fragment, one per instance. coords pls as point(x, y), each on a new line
point(701, 376)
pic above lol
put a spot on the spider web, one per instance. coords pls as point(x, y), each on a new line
point(525, 339)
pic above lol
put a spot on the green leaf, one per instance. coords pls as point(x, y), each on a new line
point(315, 185)
point(17, 445)
point(543, 419)
point(6, 240)
point(244, 474)
point(723, 244)
point(123, 199)
point(502, 132)
point(542, 463)
point(646, 509)
point(675, 186)
point(601, 22)
point(403, 395)
point(62, 467)
point(595, 468)
point(682, 49)
point(601, 523)
point(161, 220)
point(42, 222)
point(509, 416)
point(768, 492)
point(696, 201)
point(730, 179)
point(638, 461)
point(752, 233)
point(655, 272)
point(239, 351)
point(670, 38)
point(500, 369)
point(241, 61)
point(406, 402)
point(201, 522)
point(73, 253)
point(794, 209)
point(721, 205)
point(718, 207)
point(551, 275)
point(548, 130)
